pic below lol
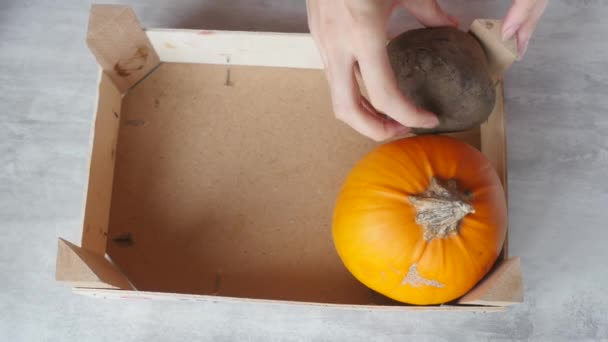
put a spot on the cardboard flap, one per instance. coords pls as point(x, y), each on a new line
point(120, 45)
point(81, 268)
point(502, 287)
point(501, 54)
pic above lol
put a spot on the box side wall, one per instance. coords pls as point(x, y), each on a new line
point(494, 147)
point(290, 50)
point(159, 296)
point(101, 169)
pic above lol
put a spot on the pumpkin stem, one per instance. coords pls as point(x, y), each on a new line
point(440, 208)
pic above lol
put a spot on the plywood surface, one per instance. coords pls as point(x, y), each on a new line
point(104, 135)
point(79, 267)
point(229, 189)
point(237, 48)
point(119, 44)
point(133, 296)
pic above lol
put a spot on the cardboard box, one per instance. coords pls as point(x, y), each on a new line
point(215, 165)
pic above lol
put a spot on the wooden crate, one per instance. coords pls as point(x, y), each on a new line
point(215, 163)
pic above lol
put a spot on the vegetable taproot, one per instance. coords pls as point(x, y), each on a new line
point(445, 71)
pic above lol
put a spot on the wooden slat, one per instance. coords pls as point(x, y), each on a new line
point(101, 168)
point(494, 147)
point(81, 268)
point(494, 139)
point(120, 45)
point(294, 50)
point(162, 296)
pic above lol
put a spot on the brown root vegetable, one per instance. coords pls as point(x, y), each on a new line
point(445, 71)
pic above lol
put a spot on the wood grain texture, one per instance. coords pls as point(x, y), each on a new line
point(120, 45)
point(176, 297)
point(236, 48)
point(493, 136)
point(78, 267)
point(104, 136)
point(227, 188)
point(502, 287)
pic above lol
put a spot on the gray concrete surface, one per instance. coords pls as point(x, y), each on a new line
point(557, 104)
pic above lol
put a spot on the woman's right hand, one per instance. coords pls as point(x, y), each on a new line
point(351, 37)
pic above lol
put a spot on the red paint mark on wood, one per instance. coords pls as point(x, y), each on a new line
point(205, 32)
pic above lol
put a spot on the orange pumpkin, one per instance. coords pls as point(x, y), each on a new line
point(421, 220)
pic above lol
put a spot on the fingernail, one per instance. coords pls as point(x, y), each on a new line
point(508, 32)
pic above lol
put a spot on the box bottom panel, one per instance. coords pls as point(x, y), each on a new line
point(225, 182)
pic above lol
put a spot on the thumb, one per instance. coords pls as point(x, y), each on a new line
point(385, 96)
point(429, 13)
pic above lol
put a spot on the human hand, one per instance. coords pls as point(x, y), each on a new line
point(351, 37)
point(521, 20)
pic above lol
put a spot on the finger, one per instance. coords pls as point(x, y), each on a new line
point(382, 88)
point(365, 10)
point(387, 121)
point(516, 17)
point(350, 107)
point(524, 34)
point(313, 13)
point(429, 13)
point(310, 9)
point(523, 39)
